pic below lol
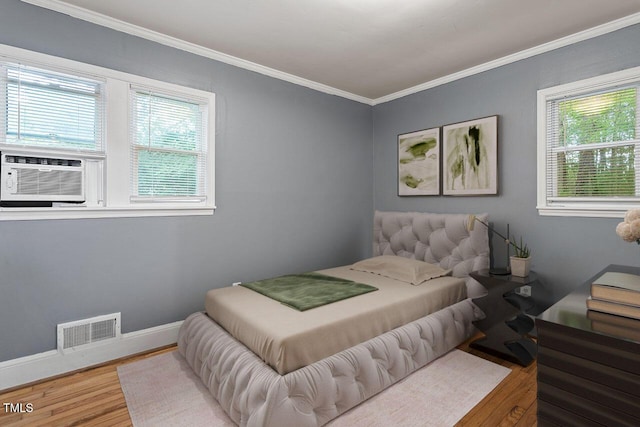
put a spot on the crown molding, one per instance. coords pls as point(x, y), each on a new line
point(528, 53)
point(118, 25)
point(134, 30)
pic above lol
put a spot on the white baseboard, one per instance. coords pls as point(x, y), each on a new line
point(39, 366)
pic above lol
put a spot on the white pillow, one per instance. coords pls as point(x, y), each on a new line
point(400, 268)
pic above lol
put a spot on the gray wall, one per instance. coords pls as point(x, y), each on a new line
point(566, 251)
point(297, 180)
point(294, 193)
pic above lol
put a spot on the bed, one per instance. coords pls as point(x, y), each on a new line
point(308, 379)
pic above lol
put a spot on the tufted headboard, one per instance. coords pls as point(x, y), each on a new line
point(442, 239)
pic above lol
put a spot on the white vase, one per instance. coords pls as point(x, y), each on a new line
point(520, 266)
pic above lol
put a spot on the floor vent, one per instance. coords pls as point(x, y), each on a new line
point(88, 331)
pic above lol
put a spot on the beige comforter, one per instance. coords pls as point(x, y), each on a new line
point(288, 339)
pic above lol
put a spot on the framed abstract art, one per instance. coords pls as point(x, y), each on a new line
point(470, 157)
point(419, 163)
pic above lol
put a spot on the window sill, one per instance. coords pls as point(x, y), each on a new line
point(83, 212)
point(594, 212)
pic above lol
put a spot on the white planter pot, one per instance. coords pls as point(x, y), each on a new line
point(520, 266)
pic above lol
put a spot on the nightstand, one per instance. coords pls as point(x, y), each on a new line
point(506, 325)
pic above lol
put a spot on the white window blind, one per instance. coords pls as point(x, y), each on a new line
point(168, 147)
point(590, 146)
point(45, 108)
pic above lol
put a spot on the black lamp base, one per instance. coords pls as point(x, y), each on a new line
point(499, 271)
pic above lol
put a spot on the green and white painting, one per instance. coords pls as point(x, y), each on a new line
point(470, 157)
point(419, 163)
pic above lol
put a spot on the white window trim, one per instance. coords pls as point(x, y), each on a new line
point(116, 184)
point(577, 208)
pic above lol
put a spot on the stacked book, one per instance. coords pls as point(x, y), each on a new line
point(618, 326)
point(614, 304)
point(616, 293)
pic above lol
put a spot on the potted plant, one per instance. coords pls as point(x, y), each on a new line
point(520, 262)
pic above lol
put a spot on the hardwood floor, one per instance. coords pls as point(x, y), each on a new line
point(511, 403)
point(94, 398)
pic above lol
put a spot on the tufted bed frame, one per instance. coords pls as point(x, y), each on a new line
point(253, 394)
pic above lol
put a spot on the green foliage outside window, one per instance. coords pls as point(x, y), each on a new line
point(608, 118)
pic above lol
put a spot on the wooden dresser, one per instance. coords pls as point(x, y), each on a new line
point(587, 377)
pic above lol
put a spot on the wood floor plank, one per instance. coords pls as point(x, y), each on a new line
point(530, 418)
point(80, 414)
point(114, 418)
point(514, 392)
point(94, 397)
point(86, 387)
point(508, 404)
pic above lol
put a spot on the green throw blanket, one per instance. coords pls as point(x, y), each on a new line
point(308, 290)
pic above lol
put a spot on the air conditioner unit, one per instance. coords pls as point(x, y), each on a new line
point(30, 179)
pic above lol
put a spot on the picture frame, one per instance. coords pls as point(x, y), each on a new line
point(470, 157)
point(419, 163)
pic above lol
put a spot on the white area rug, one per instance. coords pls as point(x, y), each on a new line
point(164, 391)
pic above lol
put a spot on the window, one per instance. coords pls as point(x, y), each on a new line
point(167, 151)
point(147, 147)
point(49, 109)
point(589, 146)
